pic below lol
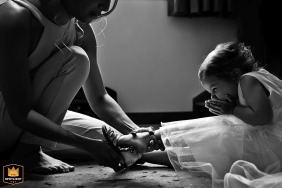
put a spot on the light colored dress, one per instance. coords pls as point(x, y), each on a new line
point(234, 153)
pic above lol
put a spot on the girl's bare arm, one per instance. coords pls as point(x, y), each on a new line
point(258, 110)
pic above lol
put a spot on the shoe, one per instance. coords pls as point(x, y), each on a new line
point(129, 154)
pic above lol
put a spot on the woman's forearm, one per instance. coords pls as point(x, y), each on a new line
point(110, 112)
point(41, 126)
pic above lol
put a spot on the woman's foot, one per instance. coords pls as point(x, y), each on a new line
point(35, 160)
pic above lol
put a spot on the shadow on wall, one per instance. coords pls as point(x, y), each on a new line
point(257, 27)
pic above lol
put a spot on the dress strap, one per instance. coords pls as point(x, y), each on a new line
point(34, 10)
point(51, 37)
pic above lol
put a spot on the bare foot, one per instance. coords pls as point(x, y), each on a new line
point(140, 142)
point(35, 160)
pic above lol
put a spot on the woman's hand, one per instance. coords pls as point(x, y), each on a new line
point(154, 143)
point(219, 107)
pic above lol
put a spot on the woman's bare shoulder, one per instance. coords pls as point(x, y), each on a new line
point(13, 15)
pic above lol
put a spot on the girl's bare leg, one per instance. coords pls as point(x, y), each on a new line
point(156, 157)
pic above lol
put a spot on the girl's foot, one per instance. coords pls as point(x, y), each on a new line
point(143, 139)
point(128, 152)
point(140, 141)
point(131, 146)
point(35, 160)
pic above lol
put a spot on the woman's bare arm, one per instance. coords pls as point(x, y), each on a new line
point(102, 103)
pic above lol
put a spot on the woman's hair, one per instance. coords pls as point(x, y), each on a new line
point(225, 57)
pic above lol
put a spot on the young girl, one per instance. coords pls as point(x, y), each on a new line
point(240, 146)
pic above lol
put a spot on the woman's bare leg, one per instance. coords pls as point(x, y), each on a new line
point(55, 83)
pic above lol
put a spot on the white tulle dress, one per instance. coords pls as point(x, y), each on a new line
point(234, 153)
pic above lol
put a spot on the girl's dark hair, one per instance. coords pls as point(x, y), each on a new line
point(225, 57)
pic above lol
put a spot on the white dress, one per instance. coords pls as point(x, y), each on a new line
point(234, 153)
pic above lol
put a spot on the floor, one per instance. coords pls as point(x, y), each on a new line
point(90, 175)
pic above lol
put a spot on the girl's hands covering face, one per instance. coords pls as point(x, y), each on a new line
point(220, 107)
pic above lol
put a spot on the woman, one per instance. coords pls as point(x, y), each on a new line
point(48, 51)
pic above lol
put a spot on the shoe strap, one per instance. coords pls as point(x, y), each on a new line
point(113, 136)
point(115, 141)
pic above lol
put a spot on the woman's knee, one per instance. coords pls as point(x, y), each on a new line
point(82, 62)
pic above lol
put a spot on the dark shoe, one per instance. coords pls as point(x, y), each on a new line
point(129, 154)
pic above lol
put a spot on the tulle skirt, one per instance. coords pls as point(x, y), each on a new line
point(233, 153)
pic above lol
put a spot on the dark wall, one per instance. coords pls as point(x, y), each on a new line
point(259, 26)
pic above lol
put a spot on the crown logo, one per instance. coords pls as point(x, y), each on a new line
point(14, 172)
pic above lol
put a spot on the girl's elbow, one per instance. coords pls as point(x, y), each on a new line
point(266, 118)
point(269, 117)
